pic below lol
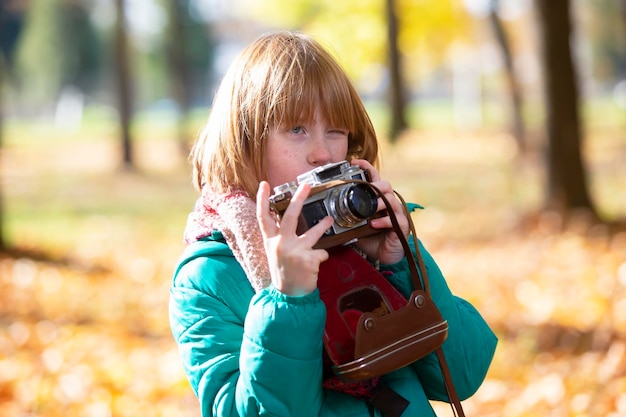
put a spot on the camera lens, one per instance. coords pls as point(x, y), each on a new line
point(353, 204)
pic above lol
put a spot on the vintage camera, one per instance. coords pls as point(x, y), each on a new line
point(351, 204)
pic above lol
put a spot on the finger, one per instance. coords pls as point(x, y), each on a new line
point(385, 222)
point(289, 220)
point(265, 219)
point(392, 202)
point(383, 188)
point(389, 203)
point(311, 236)
point(366, 166)
point(322, 254)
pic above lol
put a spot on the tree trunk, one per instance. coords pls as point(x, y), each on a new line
point(567, 187)
point(396, 84)
point(3, 246)
point(124, 93)
point(623, 14)
point(517, 121)
point(177, 58)
point(11, 23)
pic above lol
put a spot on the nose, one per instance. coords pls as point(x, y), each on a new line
point(319, 154)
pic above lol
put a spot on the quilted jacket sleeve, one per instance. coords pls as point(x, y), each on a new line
point(246, 354)
point(470, 345)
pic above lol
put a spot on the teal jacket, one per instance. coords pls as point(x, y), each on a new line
point(260, 354)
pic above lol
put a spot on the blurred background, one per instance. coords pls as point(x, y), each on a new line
point(506, 119)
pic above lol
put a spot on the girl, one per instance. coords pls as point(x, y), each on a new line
point(244, 307)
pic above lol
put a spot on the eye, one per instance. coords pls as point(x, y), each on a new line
point(297, 129)
point(339, 132)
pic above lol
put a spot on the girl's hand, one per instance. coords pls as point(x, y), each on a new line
point(293, 262)
point(385, 247)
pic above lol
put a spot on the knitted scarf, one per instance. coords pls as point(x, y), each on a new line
point(234, 215)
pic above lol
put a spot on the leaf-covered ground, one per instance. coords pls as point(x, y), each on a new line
point(84, 331)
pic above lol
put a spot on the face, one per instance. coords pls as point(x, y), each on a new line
point(294, 150)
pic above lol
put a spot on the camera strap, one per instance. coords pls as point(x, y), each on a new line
point(335, 282)
point(453, 396)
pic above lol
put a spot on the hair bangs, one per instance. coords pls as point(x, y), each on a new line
point(336, 103)
point(283, 79)
point(310, 85)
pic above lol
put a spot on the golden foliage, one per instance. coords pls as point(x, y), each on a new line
point(86, 343)
point(77, 339)
point(96, 343)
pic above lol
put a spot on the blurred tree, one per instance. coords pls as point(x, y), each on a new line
point(124, 84)
point(41, 48)
point(608, 30)
point(358, 32)
point(11, 22)
point(429, 27)
point(567, 187)
point(59, 48)
point(2, 77)
point(179, 66)
point(189, 56)
point(354, 31)
point(82, 62)
point(517, 120)
point(397, 99)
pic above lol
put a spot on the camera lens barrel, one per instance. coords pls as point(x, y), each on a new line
point(353, 203)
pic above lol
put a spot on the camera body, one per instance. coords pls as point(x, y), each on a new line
point(351, 204)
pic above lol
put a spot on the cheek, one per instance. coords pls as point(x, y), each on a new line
point(339, 150)
point(282, 167)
